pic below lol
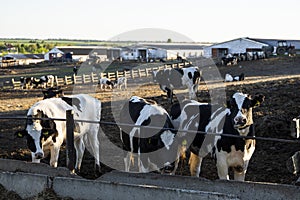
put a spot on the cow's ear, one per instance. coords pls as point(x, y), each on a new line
point(21, 134)
point(257, 100)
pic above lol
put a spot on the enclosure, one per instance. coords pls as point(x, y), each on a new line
point(277, 78)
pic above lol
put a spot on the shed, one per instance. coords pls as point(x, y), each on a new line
point(187, 50)
point(82, 53)
point(239, 45)
point(143, 53)
point(21, 59)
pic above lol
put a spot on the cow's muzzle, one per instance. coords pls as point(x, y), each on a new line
point(168, 169)
point(239, 122)
point(39, 155)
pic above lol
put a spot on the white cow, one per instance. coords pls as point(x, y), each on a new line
point(45, 134)
point(105, 83)
point(121, 82)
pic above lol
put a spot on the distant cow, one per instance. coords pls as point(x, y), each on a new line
point(53, 92)
point(121, 82)
point(230, 78)
point(235, 120)
point(178, 78)
point(105, 83)
point(26, 82)
point(229, 60)
point(44, 81)
point(156, 149)
point(48, 135)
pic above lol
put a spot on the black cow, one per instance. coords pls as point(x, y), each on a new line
point(156, 149)
point(178, 78)
point(235, 120)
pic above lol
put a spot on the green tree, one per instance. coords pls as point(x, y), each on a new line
point(169, 40)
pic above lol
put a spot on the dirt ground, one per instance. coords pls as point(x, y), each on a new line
point(277, 78)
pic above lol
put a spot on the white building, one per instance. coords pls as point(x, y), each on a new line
point(240, 45)
point(143, 53)
point(82, 53)
point(186, 50)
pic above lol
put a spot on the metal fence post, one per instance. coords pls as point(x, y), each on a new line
point(70, 152)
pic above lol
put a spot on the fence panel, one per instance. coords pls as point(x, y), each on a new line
point(94, 78)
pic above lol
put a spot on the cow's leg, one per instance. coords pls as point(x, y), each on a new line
point(222, 165)
point(94, 144)
point(127, 160)
point(240, 172)
point(79, 147)
point(170, 95)
point(54, 154)
point(195, 164)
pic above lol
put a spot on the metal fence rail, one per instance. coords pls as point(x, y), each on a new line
point(295, 141)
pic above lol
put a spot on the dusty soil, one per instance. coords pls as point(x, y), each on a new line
point(277, 78)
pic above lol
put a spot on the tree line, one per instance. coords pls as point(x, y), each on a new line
point(30, 47)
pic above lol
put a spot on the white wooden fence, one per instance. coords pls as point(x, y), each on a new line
point(93, 78)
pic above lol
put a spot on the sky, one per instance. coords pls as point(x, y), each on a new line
point(198, 20)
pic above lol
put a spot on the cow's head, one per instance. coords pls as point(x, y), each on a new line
point(39, 133)
point(53, 92)
point(240, 106)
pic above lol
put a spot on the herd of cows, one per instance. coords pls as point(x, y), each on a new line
point(226, 132)
point(233, 59)
point(48, 81)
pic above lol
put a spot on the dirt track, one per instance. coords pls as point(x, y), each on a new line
point(278, 79)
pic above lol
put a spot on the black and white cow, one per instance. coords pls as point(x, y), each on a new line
point(235, 120)
point(229, 60)
point(105, 83)
point(156, 149)
point(120, 83)
point(53, 92)
point(230, 78)
point(178, 78)
point(46, 136)
point(44, 81)
point(26, 82)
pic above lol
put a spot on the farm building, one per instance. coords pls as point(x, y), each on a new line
point(82, 53)
point(21, 59)
point(166, 51)
point(143, 53)
point(240, 45)
point(187, 50)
